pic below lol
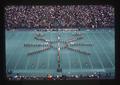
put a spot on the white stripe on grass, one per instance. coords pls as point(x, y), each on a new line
point(80, 62)
point(103, 48)
point(106, 43)
point(90, 62)
point(98, 55)
point(106, 54)
point(10, 51)
point(10, 58)
point(20, 57)
point(111, 34)
point(7, 52)
point(89, 56)
point(106, 40)
point(27, 62)
point(38, 59)
point(48, 63)
point(69, 60)
point(29, 57)
point(17, 62)
point(108, 34)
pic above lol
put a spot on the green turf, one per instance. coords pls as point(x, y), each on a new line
point(102, 58)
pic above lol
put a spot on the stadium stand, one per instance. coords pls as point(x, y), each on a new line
point(63, 77)
point(74, 16)
point(60, 17)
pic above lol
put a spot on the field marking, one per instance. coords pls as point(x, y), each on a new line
point(38, 59)
point(69, 59)
point(108, 34)
point(80, 63)
point(90, 62)
point(112, 34)
point(28, 60)
point(9, 60)
point(106, 42)
point(48, 67)
point(17, 62)
point(26, 66)
point(8, 52)
point(20, 57)
point(105, 54)
point(98, 55)
point(29, 72)
point(89, 56)
point(37, 66)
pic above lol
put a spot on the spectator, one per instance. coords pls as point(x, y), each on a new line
point(74, 16)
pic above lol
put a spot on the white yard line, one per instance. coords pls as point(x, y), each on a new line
point(69, 61)
point(26, 66)
point(17, 62)
point(109, 48)
point(106, 40)
point(112, 34)
point(90, 62)
point(37, 62)
point(20, 57)
point(28, 60)
point(11, 57)
point(105, 54)
point(37, 66)
point(98, 56)
point(80, 62)
point(48, 63)
point(89, 56)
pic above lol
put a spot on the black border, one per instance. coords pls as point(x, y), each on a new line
point(4, 3)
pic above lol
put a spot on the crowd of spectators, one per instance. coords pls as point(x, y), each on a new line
point(95, 75)
point(59, 16)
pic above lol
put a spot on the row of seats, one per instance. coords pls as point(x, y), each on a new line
point(107, 75)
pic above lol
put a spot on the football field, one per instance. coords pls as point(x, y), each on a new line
point(101, 56)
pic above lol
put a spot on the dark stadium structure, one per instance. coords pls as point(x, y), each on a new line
point(60, 42)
